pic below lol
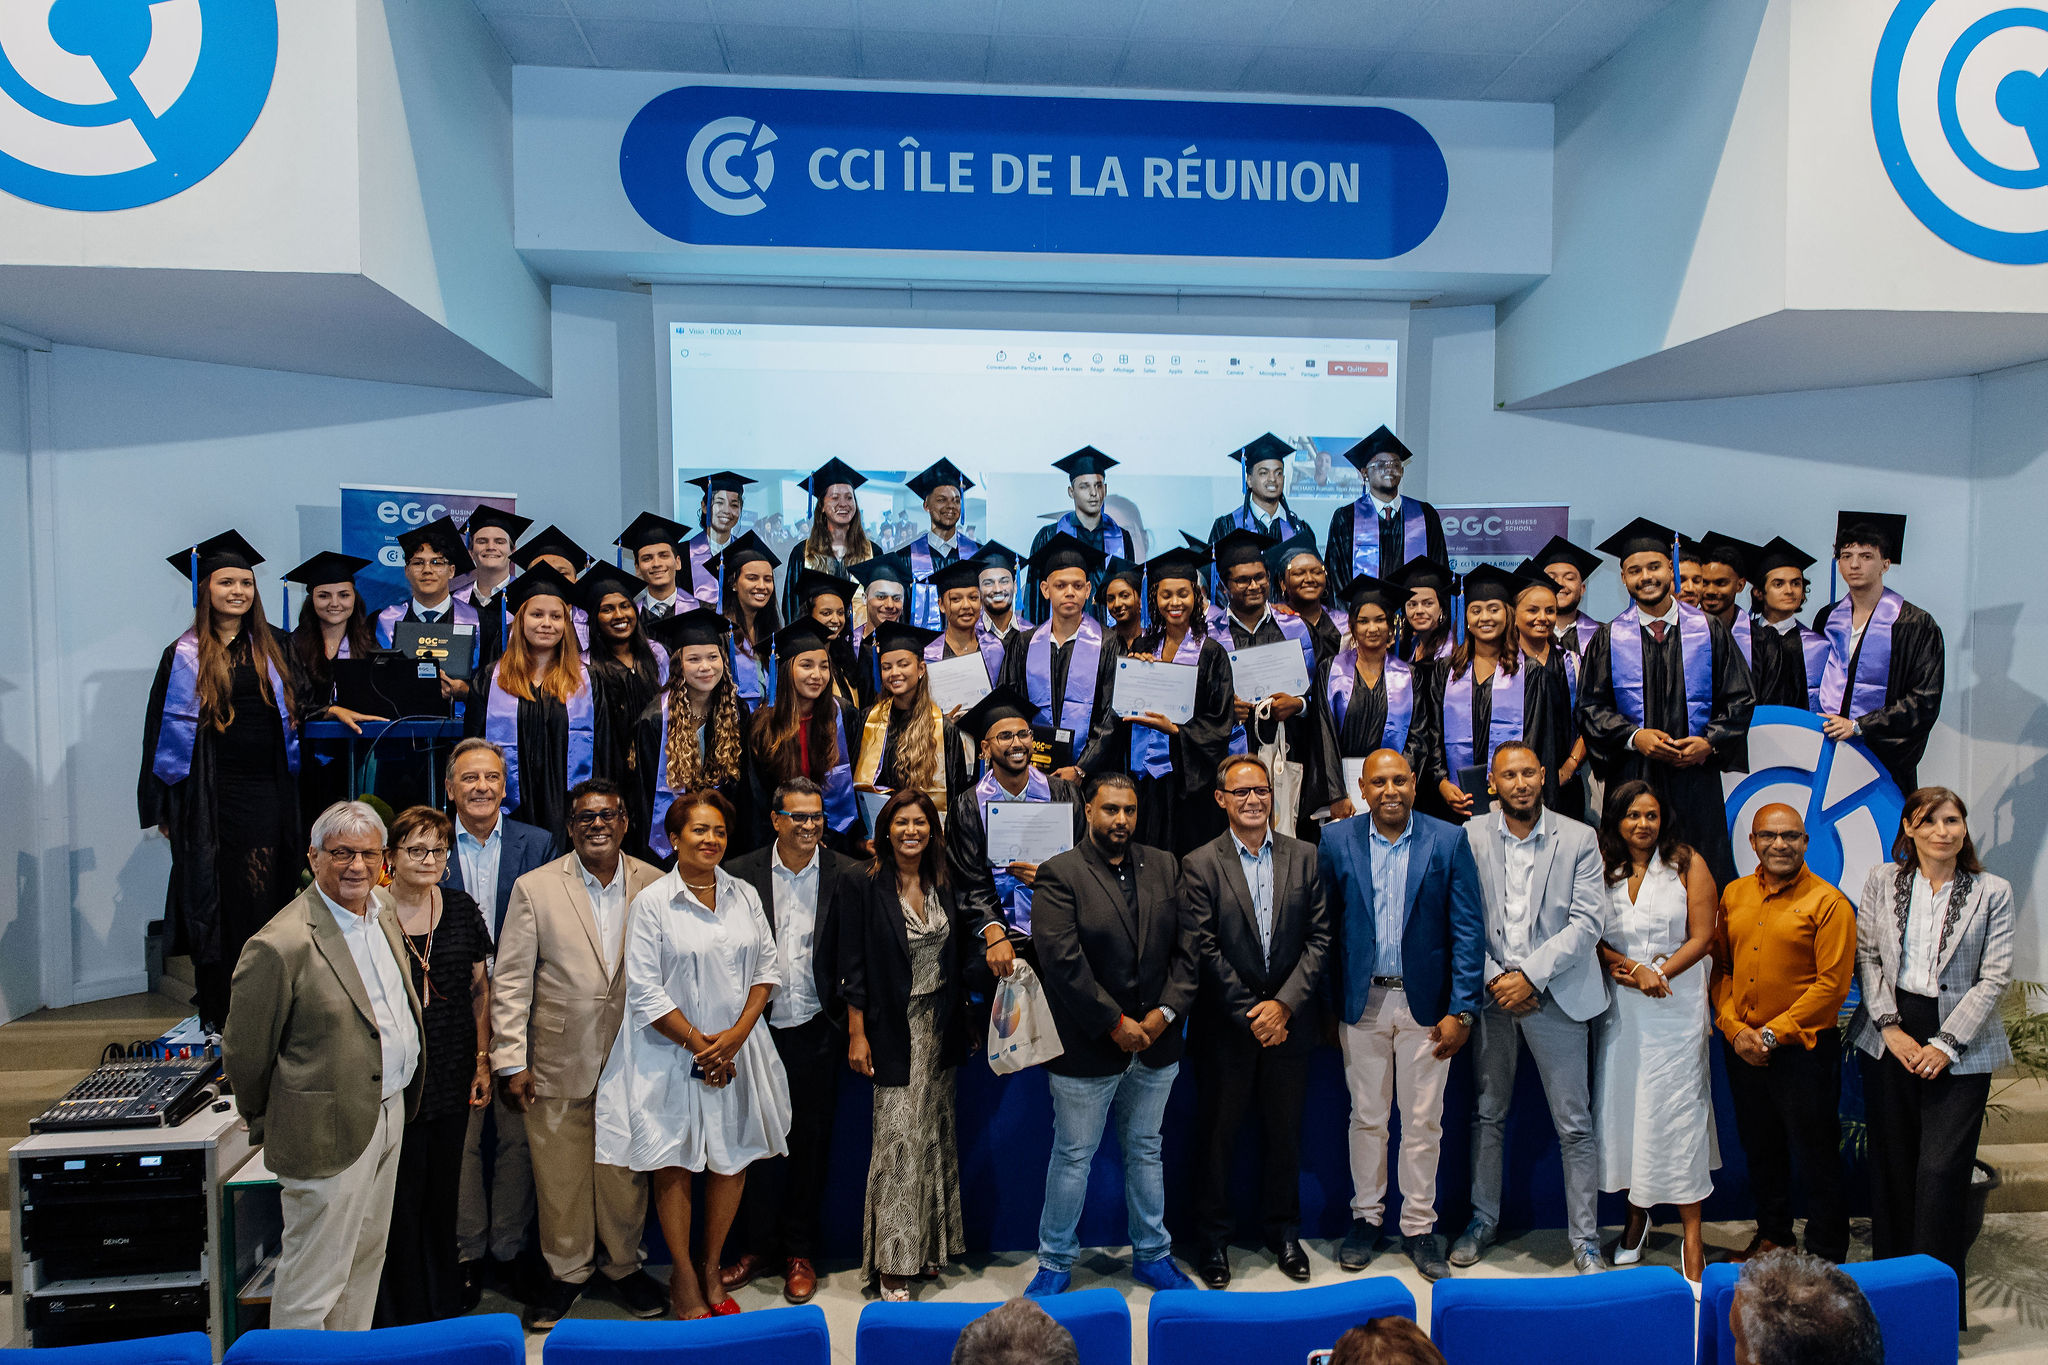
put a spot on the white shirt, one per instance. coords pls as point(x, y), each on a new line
point(1918, 974)
point(948, 546)
point(480, 869)
point(1669, 616)
point(608, 908)
point(1518, 901)
point(384, 983)
point(422, 611)
point(796, 929)
point(1786, 626)
point(674, 600)
point(1382, 509)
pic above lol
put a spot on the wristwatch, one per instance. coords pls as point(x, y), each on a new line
point(1770, 1039)
point(1464, 1017)
point(1856, 728)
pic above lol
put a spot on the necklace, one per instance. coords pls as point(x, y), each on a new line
point(702, 886)
point(425, 959)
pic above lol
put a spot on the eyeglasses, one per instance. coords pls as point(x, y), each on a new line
point(349, 857)
point(1243, 793)
point(814, 817)
point(429, 564)
point(584, 819)
point(422, 853)
point(1771, 836)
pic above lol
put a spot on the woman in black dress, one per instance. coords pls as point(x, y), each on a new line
point(627, 672)
point(446, 947)
point(220, 760)
point(537, 704)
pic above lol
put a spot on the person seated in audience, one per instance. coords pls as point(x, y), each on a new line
point(1386, 1341)
point(1018, 1332)
point(1790, 1308)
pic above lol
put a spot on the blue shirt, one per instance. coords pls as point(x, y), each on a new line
point(1258, 876)
point(479, 862)
point(1390, 896)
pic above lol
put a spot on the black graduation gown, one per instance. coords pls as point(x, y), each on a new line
point(959, 767)
point(236, 842)
point(1017, 659)
point(1177, 812)
point(793, 567)
point(1896, 733)
point(1363, 732)
point(1393, 554)
point(1550, 728)
point(622, 749)
point(1300, 731)
point(1694, 794)
point(1329, 642)
point(490, 629)
point(974, 882)
point(1032, 604)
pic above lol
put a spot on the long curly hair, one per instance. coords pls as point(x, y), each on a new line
point(917, 752)
point(216, 668)
point(683, 757)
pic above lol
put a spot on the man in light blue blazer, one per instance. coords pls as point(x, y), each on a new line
point(1409, 948)
point(1545, 889)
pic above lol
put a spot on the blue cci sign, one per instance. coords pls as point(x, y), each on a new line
point(741, 166)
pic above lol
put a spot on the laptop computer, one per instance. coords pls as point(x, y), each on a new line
point(387, 684)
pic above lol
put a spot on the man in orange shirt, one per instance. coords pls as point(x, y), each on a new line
point(1785, 955)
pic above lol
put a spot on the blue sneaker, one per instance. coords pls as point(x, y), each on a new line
point(1161, 1274)
point(1048, 1282)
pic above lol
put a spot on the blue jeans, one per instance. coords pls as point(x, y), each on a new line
point(1080, 1108)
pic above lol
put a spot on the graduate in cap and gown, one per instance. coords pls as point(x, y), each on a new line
point(656, 545)
point(1087, 472)
point(1882, 682)
point(1790, 658)
point(1123, 603)
point(725, 497)
point(1364, 699)
point(885, 584)
point(536, 703)
point(957, 590)
point(997, 898)
point(627, 672)
point(332, 625)
point(806, 732)
point(1725, 569)
point(220, 760)
point(1665, 696)
point(838, 540)
point(1478, 699)
point(944, 490)
point(1001, 613)
point(904, 741)
point(1062, 665)
point(702, 731)
point(1424, 638)
point(1174, 764)
point(434, 557)
point(1263, 464)
point(554, 548)
point(1250, 621)
point(1301, 589)
point(1550, 692)
point(1384, 528)
point(1569, 566)
point(491, 534)
point(823, 598)
point(746, 585)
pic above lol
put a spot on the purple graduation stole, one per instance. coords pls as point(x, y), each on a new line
point(1077, 708)
point(1015, 896)
point(703, 583)
point(1813, 646)
point(1504, 724)
point(748, 673)
point(1284, 527)
point(1218, 620)
point(1740, 630)
point(1114, 542)
point(179, 730)
point(1296, 629)
point(1365, 535)
point(1867, 690)
point(1399, 680)
point(501, 727)
point(924, 598)
point(1151, 751)
point(460, 613)
point(1696, 652)
point(1581, 633)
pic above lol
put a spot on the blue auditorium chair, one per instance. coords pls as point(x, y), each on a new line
point(765, 1336)
point(924, 1333)
point(1190, 1325)
point(489, 1339)
point(1551, 1320)
point(1914, 1298)
point(180, 1348)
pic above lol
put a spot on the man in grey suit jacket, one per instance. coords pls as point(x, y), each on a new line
point(323, 1049)
point(1545, 891)
point(1262, 934)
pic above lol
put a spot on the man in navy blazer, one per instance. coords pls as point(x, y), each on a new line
point(1410, 954)
point(492, 851)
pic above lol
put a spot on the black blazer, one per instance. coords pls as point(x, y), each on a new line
point(836, 885)
point(1236, 975)
point(1098, 964)
point(874, 973)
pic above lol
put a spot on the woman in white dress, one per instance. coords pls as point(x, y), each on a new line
point(706, 1090)
point(1653, 1105)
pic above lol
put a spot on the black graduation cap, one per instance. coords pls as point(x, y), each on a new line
point(943, 473)
point(1738, 554)
point(744, 548)
point(996, 555)
point(1423, 572)
point(225, 551)
point(1381, 442)
point(1185, 561)
point(553, 541)
point(542, 580)
point(1240, 546)
point(1490, 583)
point(698, 626)
point(1365, 588)
point(1064, 551)
point(1004, 703)
point(724, 481)
point(602, 581)
point(1086, 460)
point(892, 636)
point(833, 472)
point(441, 533)
point(800, 637)
point(1287, 551)
point(329, 566)
point(961, 573)
point(889, 568)
point(511, 523)
point(813, 583)
point(1780, 553)
point(1689, 551)
point(1133, 574)
point(1885, 530)
point(1267, 447)
point(648, 529)
point(1558, 550)
point(1640, 536)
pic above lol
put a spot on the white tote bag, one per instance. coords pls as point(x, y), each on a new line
point(1021, 1031)
point(1286, 776)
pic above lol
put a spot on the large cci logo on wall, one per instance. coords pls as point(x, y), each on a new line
point(1959, 103)
point(1850, 803)
point(737, 166)
point(112, 104)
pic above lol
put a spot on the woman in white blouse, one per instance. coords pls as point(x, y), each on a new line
point(707, 1092)
point(1934, 945)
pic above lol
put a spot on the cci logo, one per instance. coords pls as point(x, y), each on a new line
point(1850, 804)
point(112, 104)
point(730, 166)
point(1959, 104)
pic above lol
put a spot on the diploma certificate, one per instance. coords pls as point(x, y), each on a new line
point(1168, 689)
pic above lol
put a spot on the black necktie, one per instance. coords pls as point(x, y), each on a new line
point(432, 618)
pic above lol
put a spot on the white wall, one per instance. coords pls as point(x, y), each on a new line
point(19, 792)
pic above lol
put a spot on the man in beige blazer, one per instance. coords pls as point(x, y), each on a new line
point(558, 997)
point(323, 1049)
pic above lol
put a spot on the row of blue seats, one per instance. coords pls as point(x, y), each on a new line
point(1550, 1321)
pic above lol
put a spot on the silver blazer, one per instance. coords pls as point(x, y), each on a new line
point(1973, 963)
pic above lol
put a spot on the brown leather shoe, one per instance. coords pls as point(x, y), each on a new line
point(799, 1280)
point(740, 1273)
point(1758, 1245)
